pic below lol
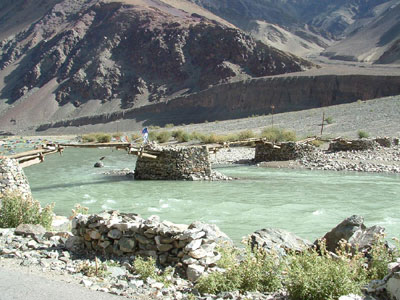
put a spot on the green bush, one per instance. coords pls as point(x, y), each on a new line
point(380, 257)
point(163, 136)
point(257, 271)
point(276, 135)
point(96, 137)
point(147, 268)
point(363, 134)
point(197, 136)
point(16, 210)
point(103, 137)
point(328, 120)
point(247, 134)
point(170, 125)
point(317, 143)
point(181, 136)
point(314, 275)
point(89, 138)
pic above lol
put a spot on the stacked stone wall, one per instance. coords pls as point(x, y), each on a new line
point(12, 178)
point(191, 246)
point(176, 163)
point(352, 145)
point(281, 151)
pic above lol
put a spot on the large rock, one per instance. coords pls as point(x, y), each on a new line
point(354, 232)
point(212, 232)
point(278, 240)
point(30, 230)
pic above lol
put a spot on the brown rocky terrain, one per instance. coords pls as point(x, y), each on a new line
point(350, 29)
point(132, 54)
point(83, 63)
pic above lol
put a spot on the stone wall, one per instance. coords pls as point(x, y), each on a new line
point(352, 145)
point(362, 144)
point(281, 151)
point(192, 247)
point(176, 163)
point(12, 178)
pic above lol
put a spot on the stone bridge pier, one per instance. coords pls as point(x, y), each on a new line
point(176, 163)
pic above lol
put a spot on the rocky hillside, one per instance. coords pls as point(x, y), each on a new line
point(307, 27)
point(375, 41)
point(125, 54)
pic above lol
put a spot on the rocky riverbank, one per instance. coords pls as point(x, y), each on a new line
point(56, 254)
point(379, 159)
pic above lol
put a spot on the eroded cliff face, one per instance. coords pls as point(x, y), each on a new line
point(241, 99)
point(134, 53)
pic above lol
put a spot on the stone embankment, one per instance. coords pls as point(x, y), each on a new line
point(371, 158)
point(191, 248)
point(381, 155)
point(77, 257)
point(12, 178)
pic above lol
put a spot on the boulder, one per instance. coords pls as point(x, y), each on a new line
point(278, 240)
point(393, 286)
point(194, 272)
point(354, 232)
point(30, 230)
point(212, 232)
point(99, 164)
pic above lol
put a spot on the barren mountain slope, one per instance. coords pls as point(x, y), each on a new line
point(88, 57)
point(306, 27)
point(375, 42)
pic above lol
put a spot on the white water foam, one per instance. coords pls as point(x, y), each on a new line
point(91, 201)
point(153, 209)
point(318, 212)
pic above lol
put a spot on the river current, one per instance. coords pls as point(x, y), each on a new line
point(307, 203)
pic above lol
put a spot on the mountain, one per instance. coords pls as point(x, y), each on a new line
point(87, 63)
point(91, 56)
point(359, 30)
point(376, 41)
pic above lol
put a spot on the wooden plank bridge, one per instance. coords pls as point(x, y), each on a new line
point(36, 156)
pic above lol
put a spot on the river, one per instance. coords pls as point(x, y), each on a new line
point(308, 203)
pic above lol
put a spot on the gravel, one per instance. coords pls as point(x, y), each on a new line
point(378, 117)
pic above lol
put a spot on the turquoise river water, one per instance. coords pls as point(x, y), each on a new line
point(308, 203)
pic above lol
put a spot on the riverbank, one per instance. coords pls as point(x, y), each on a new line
point(377, 160)
point(66, 257)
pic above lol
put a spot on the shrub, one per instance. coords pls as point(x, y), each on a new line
point(196, 136)
point(170, 125)
point(89, 138)
point(247, 134)
point(163, 136)
point(317, 143)
point(181, 136)
point(276, 135)
point(117, 135)
point(96, 269)
point(380, 257)
point(328, 120)
point(79, 209)
point(147, 268)
point(363, 134)
point(16, 210)
point(103, 137)
point(258, 271)
point(314, 275)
